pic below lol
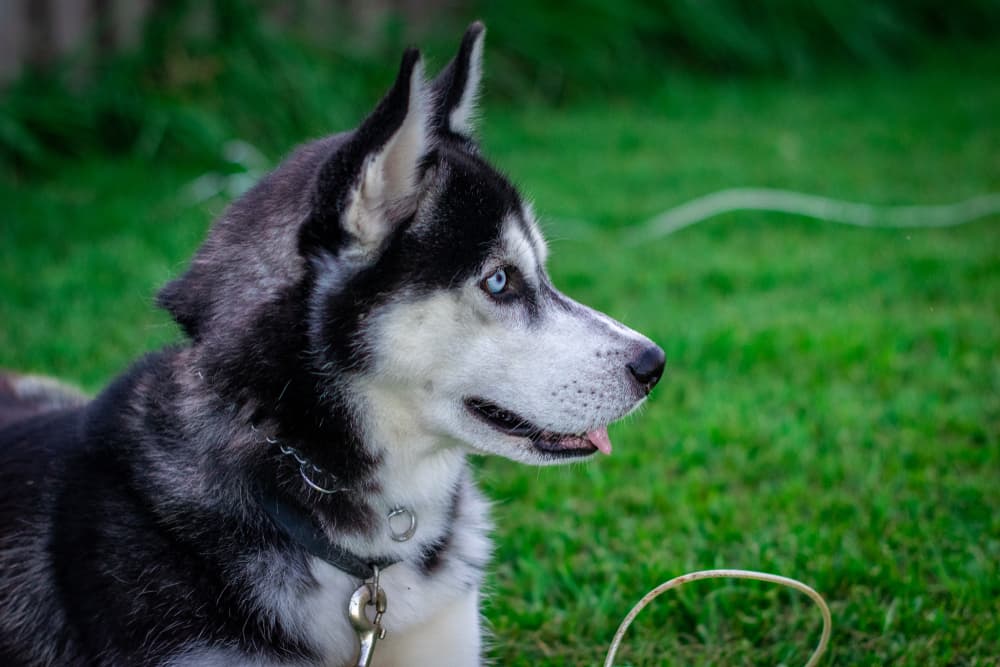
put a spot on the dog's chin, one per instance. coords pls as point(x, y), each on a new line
point(531, 443)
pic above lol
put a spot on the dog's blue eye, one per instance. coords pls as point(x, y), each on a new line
point(497, 283)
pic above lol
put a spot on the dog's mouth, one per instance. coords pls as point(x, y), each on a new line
point(550, 442)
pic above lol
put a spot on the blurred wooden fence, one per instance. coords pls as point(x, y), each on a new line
point(38, 32)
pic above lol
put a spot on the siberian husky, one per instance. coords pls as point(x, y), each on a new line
point(361, 321)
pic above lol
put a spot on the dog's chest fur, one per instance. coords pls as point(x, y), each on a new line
point(436, 576)
point(440, 567)
point(233, 591)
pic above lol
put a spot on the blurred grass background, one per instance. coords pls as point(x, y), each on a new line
point(831, 409)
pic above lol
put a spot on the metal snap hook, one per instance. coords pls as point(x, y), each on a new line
point(369, 631)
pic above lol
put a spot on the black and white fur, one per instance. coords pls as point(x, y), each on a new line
point(340, 307)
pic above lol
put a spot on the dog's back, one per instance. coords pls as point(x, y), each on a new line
point(24, 396)
point(38, 420)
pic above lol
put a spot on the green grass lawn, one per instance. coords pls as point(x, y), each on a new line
point(831, 409)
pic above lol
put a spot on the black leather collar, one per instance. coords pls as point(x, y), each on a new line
point(302, 529)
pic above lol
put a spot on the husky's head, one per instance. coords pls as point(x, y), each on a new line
point(392, 275)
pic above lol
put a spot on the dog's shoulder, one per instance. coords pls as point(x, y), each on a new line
point(40, 424)
point(49, 429)
point(23, 396)
point(29, 450)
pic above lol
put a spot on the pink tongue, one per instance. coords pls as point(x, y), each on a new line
point(600, 439)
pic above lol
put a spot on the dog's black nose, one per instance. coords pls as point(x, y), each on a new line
point(648, 367)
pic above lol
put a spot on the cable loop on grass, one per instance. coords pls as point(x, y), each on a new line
point(677, 582)
point(820, 208)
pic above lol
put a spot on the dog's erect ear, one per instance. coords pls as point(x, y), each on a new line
point(457, 86)
point(372, 182)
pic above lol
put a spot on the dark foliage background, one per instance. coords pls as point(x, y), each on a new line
point(197, 77)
